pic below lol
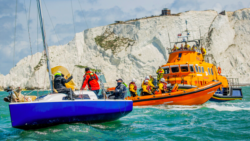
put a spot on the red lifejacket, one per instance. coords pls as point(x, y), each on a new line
point(149, 88)
point(132, 83)
point(91, 81)
point(165, 86)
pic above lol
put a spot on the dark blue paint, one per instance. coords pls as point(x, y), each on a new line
point(180, 55)
point(36, 115)
point(215, 100)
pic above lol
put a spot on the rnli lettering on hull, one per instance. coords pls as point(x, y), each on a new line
point(206, 73)
point(210, 92)
point(168, 102)
point(199, 74)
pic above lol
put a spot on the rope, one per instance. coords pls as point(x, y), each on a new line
point(55, 32)
point(15, 37)
point(83, 14)
point(51, 22)
point(73, 17)
point(28, 18)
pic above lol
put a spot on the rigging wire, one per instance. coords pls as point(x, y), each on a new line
point(51, 22)
point(28, 18)
point(83, 14)
point(15, 37)
point(73, 18)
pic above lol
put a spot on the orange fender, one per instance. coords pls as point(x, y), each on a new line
point(158, 92)
point(111, 89)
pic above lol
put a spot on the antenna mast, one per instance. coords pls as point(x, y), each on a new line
point(39, 8)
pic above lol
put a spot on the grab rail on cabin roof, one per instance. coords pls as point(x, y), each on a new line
point(233, 82)
point(170, 50)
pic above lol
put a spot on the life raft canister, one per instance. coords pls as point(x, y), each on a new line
point(219, 70)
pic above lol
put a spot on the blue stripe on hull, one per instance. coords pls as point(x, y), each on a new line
point(42, 114)
point(216, 100)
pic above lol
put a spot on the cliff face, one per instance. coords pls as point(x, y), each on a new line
point(136, 49)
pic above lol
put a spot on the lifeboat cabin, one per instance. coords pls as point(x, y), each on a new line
point(188, 69)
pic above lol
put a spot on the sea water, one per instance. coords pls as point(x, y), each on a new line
point(210, 121)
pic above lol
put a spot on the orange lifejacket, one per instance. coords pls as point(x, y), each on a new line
point(111, 89)
point(219, 70)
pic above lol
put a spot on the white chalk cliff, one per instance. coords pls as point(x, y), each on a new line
point(135, 49)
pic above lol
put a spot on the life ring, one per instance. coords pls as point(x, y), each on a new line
point(175, 88)
point(219, 70)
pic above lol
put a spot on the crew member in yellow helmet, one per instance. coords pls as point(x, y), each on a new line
point(149, 82)
point(163, 85)
point(146, 88)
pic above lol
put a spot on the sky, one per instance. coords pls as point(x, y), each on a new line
point(63, 18)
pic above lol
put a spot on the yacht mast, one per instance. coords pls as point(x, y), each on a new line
point(39, 8)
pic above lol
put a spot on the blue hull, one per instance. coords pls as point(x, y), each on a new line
point(215, 100)
point(43, 114)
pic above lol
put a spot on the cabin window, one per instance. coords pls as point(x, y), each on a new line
point(174, 69)
point(212, 71)
point(196, 69)
point(202, 69)
point(191, 68)
point(199, 69)
point(166, 70)
point(184, 68)
point(208, 71)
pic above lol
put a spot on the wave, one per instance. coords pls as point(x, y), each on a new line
point(229, 106)
point(216, 106)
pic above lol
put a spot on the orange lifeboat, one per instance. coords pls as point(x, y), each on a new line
point(193, 96)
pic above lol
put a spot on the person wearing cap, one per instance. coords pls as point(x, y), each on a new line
point(159, 73)
point(194, 47)
point(146, 88)
point(163, 85)
point(120, 89)
point(133, 88)
point(59, 84)
point(91, 79)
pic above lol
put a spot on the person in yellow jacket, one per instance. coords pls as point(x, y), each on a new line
point(149, 82)
point(133, 88)
point(203, 51)
point(194, 48)
point(146, 88)
point(163, 85)
point(187, 46)
point(160, 73)
point(175, 48)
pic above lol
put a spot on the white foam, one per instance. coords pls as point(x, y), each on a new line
point(217, 106)
point(174, 107)
point(227, 107)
